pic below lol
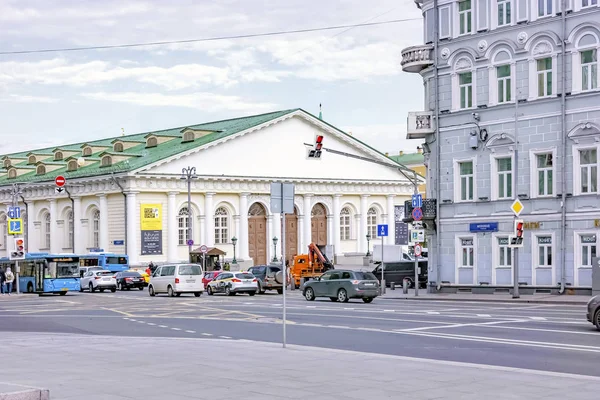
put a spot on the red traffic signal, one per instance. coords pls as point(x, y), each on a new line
point(18, 250)
point(315, 152)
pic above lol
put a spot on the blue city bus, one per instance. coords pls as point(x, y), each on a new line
point(46, 273)
point(108, 261)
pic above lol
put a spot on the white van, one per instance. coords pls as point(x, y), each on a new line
point(175, 279)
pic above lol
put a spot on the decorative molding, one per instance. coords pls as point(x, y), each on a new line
point(463, 63)
point(522, 37)
point(482, 45)
point(327, 200)
point(542, 48)
point(445, 53)
point(262, 199)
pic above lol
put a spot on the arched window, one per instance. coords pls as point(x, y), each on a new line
point(46, 231)
point(31, 160)
point(118, 147)
point(182, 226)
point(372, 222)
point(96, 229)
point(152, 142)
point(72, 166)
point(188, 137)
point(12, 173)
point(585, 62)
point(463, 82)
point(221, 226)
point(106, 161)
point(70, 230)
point(6, 163)
point(40, 170)
point(3, 228)
point(345, 224)
point(87, 151)
point(58, 156)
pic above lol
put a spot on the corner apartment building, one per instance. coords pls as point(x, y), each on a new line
point(512, 110)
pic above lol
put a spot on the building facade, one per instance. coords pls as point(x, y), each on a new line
point(512, 93)
point(414, 161)
point(127, 195)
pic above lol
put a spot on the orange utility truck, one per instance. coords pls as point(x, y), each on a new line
point(310, 265)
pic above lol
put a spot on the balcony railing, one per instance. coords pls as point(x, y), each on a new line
point(417, 58)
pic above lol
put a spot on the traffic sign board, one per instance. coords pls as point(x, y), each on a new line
point(418, 250)
point(204, 249)
point(417, 200)
point(417, 214)
point(60, 181)
point(382, 230)
point(59, 189)
point(14, 212)
point(190, 242)
point(517, 207)
point(417, 235)
point(15, 226)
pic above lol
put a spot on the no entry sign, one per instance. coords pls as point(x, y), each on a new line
point(60, 181)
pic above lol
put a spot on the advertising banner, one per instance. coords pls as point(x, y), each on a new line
point(151, 226)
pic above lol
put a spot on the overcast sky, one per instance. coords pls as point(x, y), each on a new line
point(49, 99)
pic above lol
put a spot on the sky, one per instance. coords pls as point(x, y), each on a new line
point(53, 98)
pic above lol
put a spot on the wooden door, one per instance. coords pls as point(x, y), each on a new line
point(318, 225)
point(291, 237)
point(257, 234)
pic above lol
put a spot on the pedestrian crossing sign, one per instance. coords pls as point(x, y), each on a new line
point(15, 226)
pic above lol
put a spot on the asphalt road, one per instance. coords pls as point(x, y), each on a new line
point(534, 336)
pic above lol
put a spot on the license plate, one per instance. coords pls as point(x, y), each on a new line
point(369, 284)
point(64, 289)
point(106, 279)
point(247, 281)
point(190, 280)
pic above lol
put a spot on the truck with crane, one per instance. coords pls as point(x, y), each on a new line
point(309, 266)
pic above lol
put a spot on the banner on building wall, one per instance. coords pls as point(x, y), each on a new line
point(151, 227)
point(400, 228)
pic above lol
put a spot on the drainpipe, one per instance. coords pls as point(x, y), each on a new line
point(124, 206)
point(438, 146)
point(73, 225)
point(563, 161)
point(27, 224)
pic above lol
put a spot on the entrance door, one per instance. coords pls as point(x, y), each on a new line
point(319, 225)
point(257, 233)
point(291, 236)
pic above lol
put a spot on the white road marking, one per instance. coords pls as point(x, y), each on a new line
point(163, 326)
point(308, 324)
point(151, 323)
point(338, 326)
point(433, 312)
point(388, 310)
point(133, 320)
point(125, 318)
point(346, 308)
point(141, 322)
point(224, 337)
point(207, 334)
point(191, 331)
point(538, 318)
point(311, 306)
point(423, 328)
point(545, 330)
point(176, 329)
point(484, 315)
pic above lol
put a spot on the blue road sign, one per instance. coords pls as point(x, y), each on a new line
point(118, 242)
point(14, 212)
point(417, 214)
point(190, 242)
point(417, 201)
point(15, 226)
point(382, 230)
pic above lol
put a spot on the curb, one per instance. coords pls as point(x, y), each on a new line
point(31, 394)
point(561, 302)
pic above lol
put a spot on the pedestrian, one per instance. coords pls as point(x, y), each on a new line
point(2, 281)
point(10, 277)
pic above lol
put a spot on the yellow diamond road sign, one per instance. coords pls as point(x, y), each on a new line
point(517, 207)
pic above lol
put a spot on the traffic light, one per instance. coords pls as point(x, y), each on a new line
point(517, 239)
point(315, 152)
point(18, 250)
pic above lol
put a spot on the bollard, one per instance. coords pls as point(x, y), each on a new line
point(392, 285)
point(382, 288)
point(405, 286)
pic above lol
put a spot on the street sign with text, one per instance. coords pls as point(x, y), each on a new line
point(382, 230)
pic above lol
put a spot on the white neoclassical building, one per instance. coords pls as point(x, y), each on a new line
point(126, 194)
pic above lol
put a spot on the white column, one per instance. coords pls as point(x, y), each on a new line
point(391, 214)
point(243, 238)
point(133, 227)
point(270, 238)
point(330, 239)
point(103, 242)
point(32, 243)
point(238, 232)
point(307, 221)
point(337, 243)
point(78, 239)
point(202, 229)
point(172, 229)
point(55, 245)
point(362, 236)
point(302, 248)
point(209, 221)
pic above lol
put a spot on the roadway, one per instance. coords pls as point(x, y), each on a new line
point(549, 337)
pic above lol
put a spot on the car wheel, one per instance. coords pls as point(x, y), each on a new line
point(119, 286)
point(92, 290)
point(170, 292)
point(334, 299)
point(151, 291)
point(309, 294)
point(209, 291)
point(30, 288)
point(280, 291)
point(198, 294)
point(367, 299)
point(112, 290)
point(342, 296)
point(141, 288)
point(101, 290)
point(177, 294)
point(597, 320)
point(228, 291)
point(251, 293)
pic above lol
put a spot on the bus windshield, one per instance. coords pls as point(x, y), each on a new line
point(67, 270)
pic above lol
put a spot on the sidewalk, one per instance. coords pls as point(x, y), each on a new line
point(500, 297)
point(110, 368)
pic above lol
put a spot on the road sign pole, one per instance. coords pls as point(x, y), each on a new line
point(416, 273)
point(283, 268)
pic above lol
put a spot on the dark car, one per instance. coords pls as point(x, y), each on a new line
point(130, 279)
point(397, 272)
point(593, 311)
point(267, 278)
point(342, 285)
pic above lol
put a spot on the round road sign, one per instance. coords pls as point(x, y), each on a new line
point(418, 250)
point(190, 242)
point(417, 214)
point(60, 181)
point(203, 248)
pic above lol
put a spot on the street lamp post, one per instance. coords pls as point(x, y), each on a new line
point(188, 174)
point(275, 240)
point(234, 241)
point(368, 244)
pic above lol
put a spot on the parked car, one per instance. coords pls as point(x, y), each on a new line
point(209, 276)
point(267, 278)
point(232, 283)
point(342, 285)
point(84, 270)
point(593, 311)
point(175, 279)
point(130, 279)
point(143, 273)
point(397, 272)
point(98, 280)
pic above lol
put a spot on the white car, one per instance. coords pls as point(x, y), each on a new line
point(98, 280)
point(231, 283)
point(175, 279)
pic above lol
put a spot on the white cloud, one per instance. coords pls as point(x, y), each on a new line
point(27, 99)
point(207, 102)
point(385, 138)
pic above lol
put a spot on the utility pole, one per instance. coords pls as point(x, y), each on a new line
point(516, 189)
point(15, 194)
point(189, 173)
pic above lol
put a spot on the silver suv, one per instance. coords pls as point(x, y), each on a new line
point(269, 278)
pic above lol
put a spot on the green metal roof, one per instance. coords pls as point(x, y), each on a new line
point(409, 158)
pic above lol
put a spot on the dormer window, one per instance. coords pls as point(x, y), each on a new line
point(188, 137)
point(72, 166)
point(118, 147)
point(107, 160)
point(40, 170)
point(151, 142)
point(87, 151)
point(6, 163)
point(31, 160)
point(58, 156)
point(12, 173)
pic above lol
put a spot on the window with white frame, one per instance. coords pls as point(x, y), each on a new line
point(96, 229)
point(504, 173)
point(372, 222)
point(345, 227)
point(588, 3)
point(221, 226)
point(544, 252)
point(544, 7)
point(544, 77)
point(70, 232)
point(589, 69)
point(466, 183)
point(465, 17)
point(46, 231)
point(465, 85)
point(504, 83)
point(588, 170)
point(544, 174)
point(504, 12)
point(504, 253)
point(588, 248)
point(467, 252)
point(182, 226)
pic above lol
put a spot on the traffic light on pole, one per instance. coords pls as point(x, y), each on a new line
point(18, 250)
point(315, 152)
point(517, 239)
